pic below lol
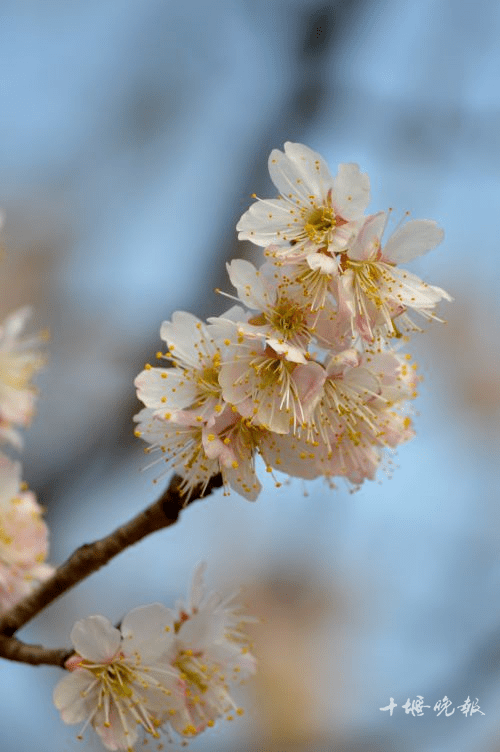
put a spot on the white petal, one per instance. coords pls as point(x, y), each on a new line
point(351, 191)
point(411, 291)
point(250, 284)
point(68, 699)
point(10, 478)
point(198, 589)
point(144, 624)
point(300, 171)
point(413, 239)
point(368, 241)
point(292, 353)
point(95, 639)
point(182, 333)
point(165, 388)
point(267, 221)
point(14, 324)
point(326, 264)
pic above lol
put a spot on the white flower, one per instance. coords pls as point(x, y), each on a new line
point(210, 649)
point(120, 679)
point(192, 383)
point(285, 322)
point(181, 401)
point(271, 391)
point(374, 290)
point(23, 538)
point(19, 360)
point(357, 417)
point(314, 210)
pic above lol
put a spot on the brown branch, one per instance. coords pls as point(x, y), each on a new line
point(85, 561)
point(35, 655)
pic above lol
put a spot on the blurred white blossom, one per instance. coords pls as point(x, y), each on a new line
point(23, 537)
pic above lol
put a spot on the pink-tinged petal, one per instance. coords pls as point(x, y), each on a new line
point(114, 736)
point(326, 264)
point(309, 380)
point(68, 698)
point(367, 243)
point(413, 239)
point(292, 456)
point(363, 381)
point(215, 448)
point(345, 294)
point(351, 191)
point(95, 639)
point(243, 480)
point(338, 363)
point(250, 284)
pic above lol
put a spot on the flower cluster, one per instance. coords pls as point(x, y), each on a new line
point(161, 669)
point(23, 538)
point(20, 358)
point(23, 534)
point(300, 371)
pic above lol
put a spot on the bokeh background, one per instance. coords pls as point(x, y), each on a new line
point(132, 133)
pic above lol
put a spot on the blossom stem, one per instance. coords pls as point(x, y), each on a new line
point(85, 561)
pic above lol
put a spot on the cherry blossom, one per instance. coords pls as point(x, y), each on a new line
point(210, 650)
point(23, 538)
point(371, 286)
point(119, 680)
point(313, 211)
point(301, 372)
point(20, 359)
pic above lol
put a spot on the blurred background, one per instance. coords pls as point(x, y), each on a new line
point(132, 134)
